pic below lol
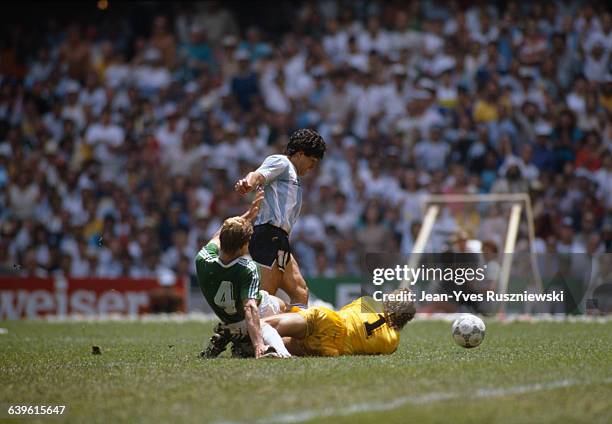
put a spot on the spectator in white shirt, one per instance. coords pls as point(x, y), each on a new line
point(404, 37)
point(397, 92)
point(431, 154)
point(273, 91)
point(486, 32)
point(151, 75)
point(374, 38)
point(355, 57)
point(104, 137)
point(339, 103)
point(23, 196)
point(567, 242)
point(41, 68)
point(73, 109)
point(603, 176)
point(189, 155)
point(335, 41)
point(343, 219)
point(597, 61)
point(170, 133)
point(93, 95)
point(576, 99)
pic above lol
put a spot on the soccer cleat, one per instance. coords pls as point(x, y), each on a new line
point(218, 342)
point(242, 348)
point(271, 353)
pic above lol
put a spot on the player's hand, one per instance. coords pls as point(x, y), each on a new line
point(260, 350)
point(243, 186)
point(251, 214)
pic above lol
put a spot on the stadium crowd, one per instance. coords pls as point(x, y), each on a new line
point(119, 150)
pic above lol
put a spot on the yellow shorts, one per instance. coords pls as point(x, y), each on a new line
point(325, 332)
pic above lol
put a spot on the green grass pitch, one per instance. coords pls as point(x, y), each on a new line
point(150, 372)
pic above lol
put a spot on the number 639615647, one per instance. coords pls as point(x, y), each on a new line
point(36, 409)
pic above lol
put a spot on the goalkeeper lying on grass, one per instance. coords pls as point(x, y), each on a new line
point(229, 281)
point(356, 329)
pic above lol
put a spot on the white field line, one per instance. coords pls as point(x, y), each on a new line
point(510, 318)
point(207, 317)
point(426, 398)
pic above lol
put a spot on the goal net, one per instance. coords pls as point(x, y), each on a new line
point(498, 230)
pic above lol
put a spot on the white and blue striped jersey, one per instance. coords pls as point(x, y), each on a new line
point(282, 193)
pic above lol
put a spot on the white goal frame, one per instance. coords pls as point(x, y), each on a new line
point(518, 201)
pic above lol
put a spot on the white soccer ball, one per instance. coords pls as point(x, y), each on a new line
point(468, 331)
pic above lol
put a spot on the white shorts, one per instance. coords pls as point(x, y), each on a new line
point(268, 306)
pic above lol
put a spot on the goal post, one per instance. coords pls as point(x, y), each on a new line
point(518, 202)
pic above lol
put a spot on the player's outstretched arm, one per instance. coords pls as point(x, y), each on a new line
point(251, 315)
point(253, 210)
point(270, 169)
point(250, 182)
point(249, 215)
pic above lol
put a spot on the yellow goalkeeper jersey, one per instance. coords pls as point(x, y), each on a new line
point(367, 330)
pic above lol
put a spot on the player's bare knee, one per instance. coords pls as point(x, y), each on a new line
point(272, 321)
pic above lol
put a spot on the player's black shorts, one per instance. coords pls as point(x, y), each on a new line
point(268, 244)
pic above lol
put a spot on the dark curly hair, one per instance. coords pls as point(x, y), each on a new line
point(399, 313)
point(307, 141)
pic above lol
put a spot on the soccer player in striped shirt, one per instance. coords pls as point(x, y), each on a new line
point(279, 175)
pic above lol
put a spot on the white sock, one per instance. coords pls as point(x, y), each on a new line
point(272, 338)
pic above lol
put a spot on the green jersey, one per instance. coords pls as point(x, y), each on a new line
point(226, 286)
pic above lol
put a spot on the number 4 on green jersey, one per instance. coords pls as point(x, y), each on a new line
point(226, 286)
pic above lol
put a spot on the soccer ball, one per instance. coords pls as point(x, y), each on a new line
point(468, 331)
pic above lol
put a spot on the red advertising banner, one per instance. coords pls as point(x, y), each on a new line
point(39, 297)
